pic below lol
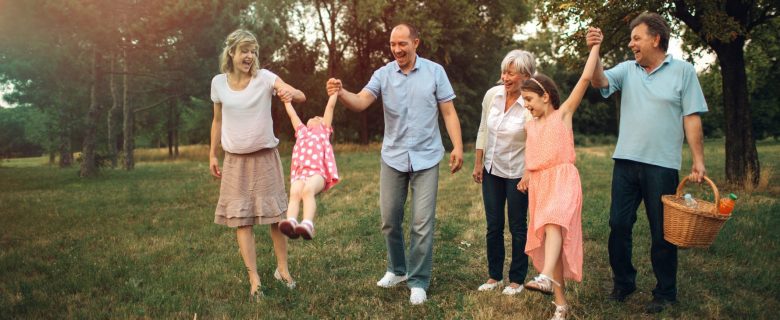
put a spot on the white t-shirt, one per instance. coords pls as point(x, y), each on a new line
point(246, 115)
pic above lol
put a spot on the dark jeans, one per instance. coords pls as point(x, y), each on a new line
point(632, 183)
point(496, 192)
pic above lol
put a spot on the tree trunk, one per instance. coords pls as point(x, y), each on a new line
point(170, 128)
point(66, 156)
point(112, 149)
point(742, 166)
point(129, 117)
point(89, 166)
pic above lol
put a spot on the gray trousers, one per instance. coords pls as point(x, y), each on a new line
point(393, 189)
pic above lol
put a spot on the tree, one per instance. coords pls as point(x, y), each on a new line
point(723, 26)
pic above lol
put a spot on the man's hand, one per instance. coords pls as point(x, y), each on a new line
point(697, 172)
point(333, 86)
point(456, 159)
point(593, 37)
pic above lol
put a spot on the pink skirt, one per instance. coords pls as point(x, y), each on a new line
point(252, 189)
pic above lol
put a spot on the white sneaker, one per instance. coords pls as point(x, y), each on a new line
point(390, 279)
point(490, 286)
point(418, 296)
point(510, 291)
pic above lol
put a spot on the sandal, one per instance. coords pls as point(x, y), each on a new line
point(487, 286)
point(542, 283)
point(560, 312)
point(290, 284)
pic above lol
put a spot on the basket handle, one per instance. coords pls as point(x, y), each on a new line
point(712, 186)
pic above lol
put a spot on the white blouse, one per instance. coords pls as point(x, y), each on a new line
point(502, 135)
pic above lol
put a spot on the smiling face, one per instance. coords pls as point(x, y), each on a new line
point(513, 80)
point(538, 105)
point(644, 45)
point(403, 47)
point(244, 57)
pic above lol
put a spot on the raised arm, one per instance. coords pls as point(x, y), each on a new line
point(594, 37)
point(294, 119)
point(353, 101)
point(573, 101)
point(327, 117)
point(287, 93)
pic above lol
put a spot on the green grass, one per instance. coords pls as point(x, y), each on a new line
point(142, 244)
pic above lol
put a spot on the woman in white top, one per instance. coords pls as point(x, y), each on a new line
point(252, 187)
point(499, 165)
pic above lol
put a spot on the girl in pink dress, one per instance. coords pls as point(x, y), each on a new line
point(312, 170)
point(553, 182)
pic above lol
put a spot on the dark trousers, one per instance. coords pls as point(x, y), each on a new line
point(496, 193)
point(632, 183)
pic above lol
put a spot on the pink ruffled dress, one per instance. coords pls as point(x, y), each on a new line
point(555, 192)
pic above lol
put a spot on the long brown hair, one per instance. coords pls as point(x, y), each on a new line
point(547, 86)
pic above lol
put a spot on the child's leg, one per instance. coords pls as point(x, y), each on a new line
point(314, 185)
point(553, 243)
point(296, 190)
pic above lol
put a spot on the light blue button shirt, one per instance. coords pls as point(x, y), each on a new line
point(652, 106)
point(412, 140)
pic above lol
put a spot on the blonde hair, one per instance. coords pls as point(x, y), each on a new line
point(237, 39)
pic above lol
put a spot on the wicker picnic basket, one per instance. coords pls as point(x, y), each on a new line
point(692, 227)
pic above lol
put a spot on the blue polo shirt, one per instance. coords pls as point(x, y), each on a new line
point(652, 107)
point(412, 141)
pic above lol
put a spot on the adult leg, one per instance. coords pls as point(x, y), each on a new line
point(313, 186)
point(280, 250)
point(517, 212)
point(658, 181)
point(494, 197)
point(393, 187)
point(246, 246)
point(626, 195)
point(424, 186)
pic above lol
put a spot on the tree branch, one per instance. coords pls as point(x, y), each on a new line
point(147, 107)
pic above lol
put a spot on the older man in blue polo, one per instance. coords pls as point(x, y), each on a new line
point(414, 91)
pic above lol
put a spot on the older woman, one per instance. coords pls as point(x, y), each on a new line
point(252, 187)
point(499, 165)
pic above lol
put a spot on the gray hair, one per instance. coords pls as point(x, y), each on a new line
point(520, 61)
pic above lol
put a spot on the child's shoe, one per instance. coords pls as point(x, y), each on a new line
point(542, 283)
point(305, 229)
point(288, 228)
point(560, 312)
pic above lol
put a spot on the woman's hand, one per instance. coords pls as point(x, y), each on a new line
point(214, 167)
point(522, 186)
point(477, 173)
point(286, 94)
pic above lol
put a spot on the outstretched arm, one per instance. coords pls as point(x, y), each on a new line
point(327, 118)
point(570, 105)
point(353, 101)
point(594, 37)
point(293, 115)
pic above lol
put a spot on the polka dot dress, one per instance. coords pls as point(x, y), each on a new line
point(313, 154)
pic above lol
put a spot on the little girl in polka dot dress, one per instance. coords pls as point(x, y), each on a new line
point(313, 169)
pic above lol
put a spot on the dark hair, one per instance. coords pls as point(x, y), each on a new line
point(548, 85)
point(656, 26)
point(413, 34)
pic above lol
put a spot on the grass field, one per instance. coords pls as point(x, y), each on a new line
point(142, 244)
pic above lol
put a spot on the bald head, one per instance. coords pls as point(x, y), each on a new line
point(405, 29)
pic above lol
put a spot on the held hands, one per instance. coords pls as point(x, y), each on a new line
point(285, 94)
point(214, 167)
point(333, 86)
point(522, 186)
point(456, 159)
point(593, 37)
